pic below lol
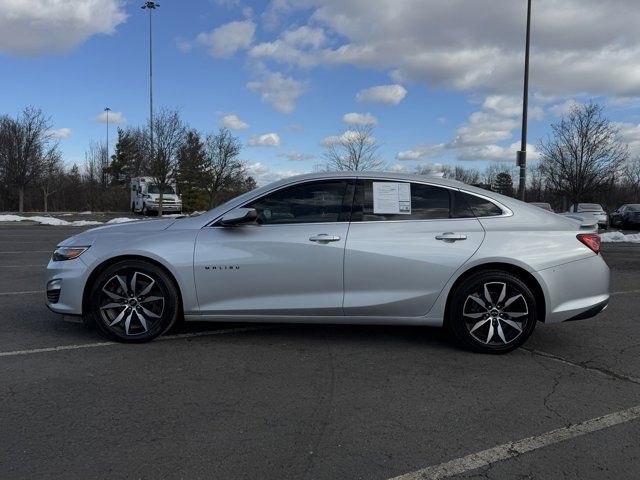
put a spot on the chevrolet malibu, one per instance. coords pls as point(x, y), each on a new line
point(350, 247)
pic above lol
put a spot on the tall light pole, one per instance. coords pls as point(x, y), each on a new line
point(151, 6)
point(522, 154)
point(107, 109)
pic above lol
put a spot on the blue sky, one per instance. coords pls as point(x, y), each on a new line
point(446, 78)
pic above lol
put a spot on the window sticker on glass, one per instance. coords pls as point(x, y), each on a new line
point(391, 197)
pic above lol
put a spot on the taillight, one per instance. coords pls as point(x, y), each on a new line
point(591, 240)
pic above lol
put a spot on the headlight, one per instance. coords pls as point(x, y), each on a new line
point(67, 253)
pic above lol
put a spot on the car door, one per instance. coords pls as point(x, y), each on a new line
point(396, 264)
point(290, 263)
point(618, 216)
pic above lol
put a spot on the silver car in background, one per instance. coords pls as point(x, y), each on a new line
point(346, 247)
point(589, 211)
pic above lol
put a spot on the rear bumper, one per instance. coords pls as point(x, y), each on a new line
point(592, 312)
point(575, 290)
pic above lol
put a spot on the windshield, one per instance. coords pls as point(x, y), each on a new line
point(589, 207)
point(153, 188)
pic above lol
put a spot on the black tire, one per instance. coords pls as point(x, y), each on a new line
point(505, 325)
point(134, 318)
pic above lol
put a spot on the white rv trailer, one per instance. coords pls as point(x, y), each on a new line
point(145, 197)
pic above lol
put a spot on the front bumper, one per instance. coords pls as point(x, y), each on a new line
point(165, 208)
point(575, 290)
point(66, 281)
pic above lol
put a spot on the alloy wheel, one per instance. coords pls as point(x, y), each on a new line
point(131, 303)
point(495, 314)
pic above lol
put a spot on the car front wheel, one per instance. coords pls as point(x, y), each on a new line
point(492, 312)
point(134, 301)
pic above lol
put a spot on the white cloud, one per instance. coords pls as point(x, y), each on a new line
point(630, 134)
point(226, 40)
point(387, 94)
point(297, 47)
point(344, 137)
point(266, 140)
point(114, 117)
point(38, 28)
point(563, 108)
point(278, 90)
point(263, 174)
point(232, 122)
point(297, 156)
point(185, 46)
point(359, 119)
point(580, 46)
point(61, 133)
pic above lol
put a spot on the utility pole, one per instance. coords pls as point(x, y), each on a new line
point(107, 109)
point(522, 154)
point(151, 6)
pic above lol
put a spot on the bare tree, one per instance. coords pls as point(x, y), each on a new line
point(92, 173)
point(222, 166)
point(356, 149)
point(583, 153)
point(169, 134)
point(52, 178)
point(469, 176)
point(26, 143)
point(632, 177)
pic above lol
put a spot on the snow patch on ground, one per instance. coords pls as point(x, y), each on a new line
point(614, 237)
point(60, 222)
point(122, 220)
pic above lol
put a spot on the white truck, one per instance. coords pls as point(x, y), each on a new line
point(145, 197)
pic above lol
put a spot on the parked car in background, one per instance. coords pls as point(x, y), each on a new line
point(344, 247)
point(588, 211)
point(542, 205)
point(626, 216)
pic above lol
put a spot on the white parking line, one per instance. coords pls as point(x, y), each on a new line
point(21, 293)
point(62, 348)
point(520, 447)
point(22, 266)
point(28, 251)
point(625, 292)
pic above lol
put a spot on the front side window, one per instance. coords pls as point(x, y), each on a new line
point(427, 202)
point(307, 203)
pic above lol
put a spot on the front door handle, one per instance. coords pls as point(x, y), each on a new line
point(451, 237)
point(324, 238)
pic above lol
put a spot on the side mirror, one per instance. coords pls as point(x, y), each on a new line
point(238, 216)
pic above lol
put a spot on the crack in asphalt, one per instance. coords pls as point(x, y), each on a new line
point(584, 365)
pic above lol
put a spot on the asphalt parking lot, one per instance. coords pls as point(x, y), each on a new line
point(311, 402)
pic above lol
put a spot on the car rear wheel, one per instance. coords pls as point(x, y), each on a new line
point(492, 312)
point(134, 301)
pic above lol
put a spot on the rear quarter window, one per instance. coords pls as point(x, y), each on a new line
point(479, 206)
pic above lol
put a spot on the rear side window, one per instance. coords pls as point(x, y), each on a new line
point(427, 203)
point(479, 206)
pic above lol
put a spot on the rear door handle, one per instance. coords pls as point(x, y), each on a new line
point(451, 237)
point(324, 238)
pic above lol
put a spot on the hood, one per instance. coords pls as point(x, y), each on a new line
point(141, 226)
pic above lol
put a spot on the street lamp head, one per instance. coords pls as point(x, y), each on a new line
point(150, 5)
point(107, 109)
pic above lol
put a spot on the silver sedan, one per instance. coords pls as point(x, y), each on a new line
point(346, 247)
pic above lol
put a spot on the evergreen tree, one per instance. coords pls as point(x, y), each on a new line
point(503, 184)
